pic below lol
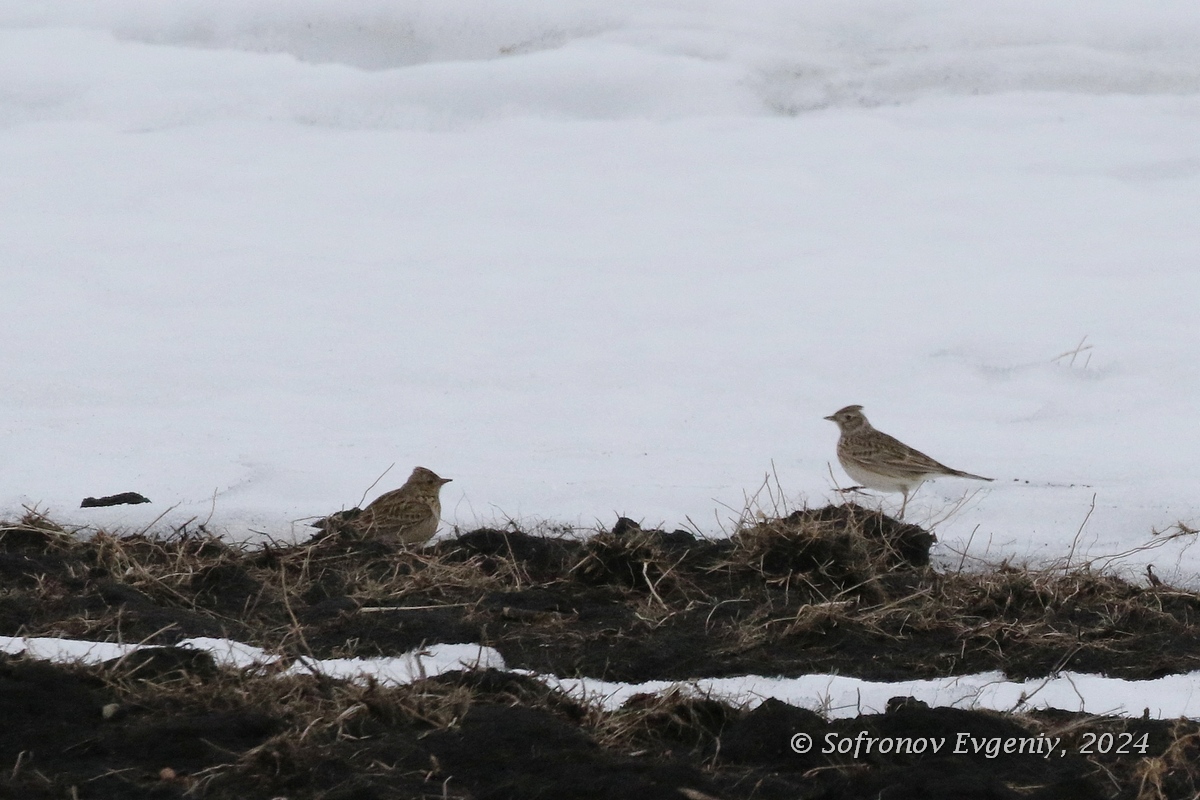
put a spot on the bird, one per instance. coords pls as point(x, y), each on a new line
point(409, 514)
point(883, 462)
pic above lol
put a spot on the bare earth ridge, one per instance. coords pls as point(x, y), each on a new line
point(839, 589)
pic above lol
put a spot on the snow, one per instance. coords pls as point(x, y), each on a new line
point(425, 662)
point(841, 697)
point(597, 259)
point(591, 259)
point(46, 648)
point(834, 696)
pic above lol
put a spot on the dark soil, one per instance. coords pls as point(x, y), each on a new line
point(839, 590)
point(125, 732)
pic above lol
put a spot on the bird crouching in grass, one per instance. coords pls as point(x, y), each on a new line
point(408, 515)
point(883, 462)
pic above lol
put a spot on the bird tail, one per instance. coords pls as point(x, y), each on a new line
point(960, 474)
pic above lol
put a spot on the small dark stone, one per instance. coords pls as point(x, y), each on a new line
point(122, 499)
point(165, 663)
point(896, 703)
point(625, 525)
point(678, 537)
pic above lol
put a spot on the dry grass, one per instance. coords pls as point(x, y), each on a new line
point(835, 583)
point(778, 584)
point(1175, 773)
point(321, 721)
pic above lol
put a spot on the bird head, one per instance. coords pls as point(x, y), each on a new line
point(426, 477)
point(849, 419)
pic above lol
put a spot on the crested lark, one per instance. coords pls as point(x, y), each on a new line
point(882, 462)
point(409, 514)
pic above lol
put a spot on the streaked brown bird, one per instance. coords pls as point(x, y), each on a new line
point(1155, 581)
point(882, 462)
point(408, 515)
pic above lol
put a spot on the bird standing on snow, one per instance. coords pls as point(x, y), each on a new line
point(409, 514)
point(882, 462)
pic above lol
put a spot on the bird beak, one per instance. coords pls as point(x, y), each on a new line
point(831, 419)
point(445, 480)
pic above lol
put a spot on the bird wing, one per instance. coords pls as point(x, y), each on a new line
point(398, 509)
point(884, 453)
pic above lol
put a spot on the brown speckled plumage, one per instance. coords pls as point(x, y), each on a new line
point(409, 514)
point(883, 462)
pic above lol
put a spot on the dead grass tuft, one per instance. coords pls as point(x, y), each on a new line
point(1174, 773)
point(837, 588)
